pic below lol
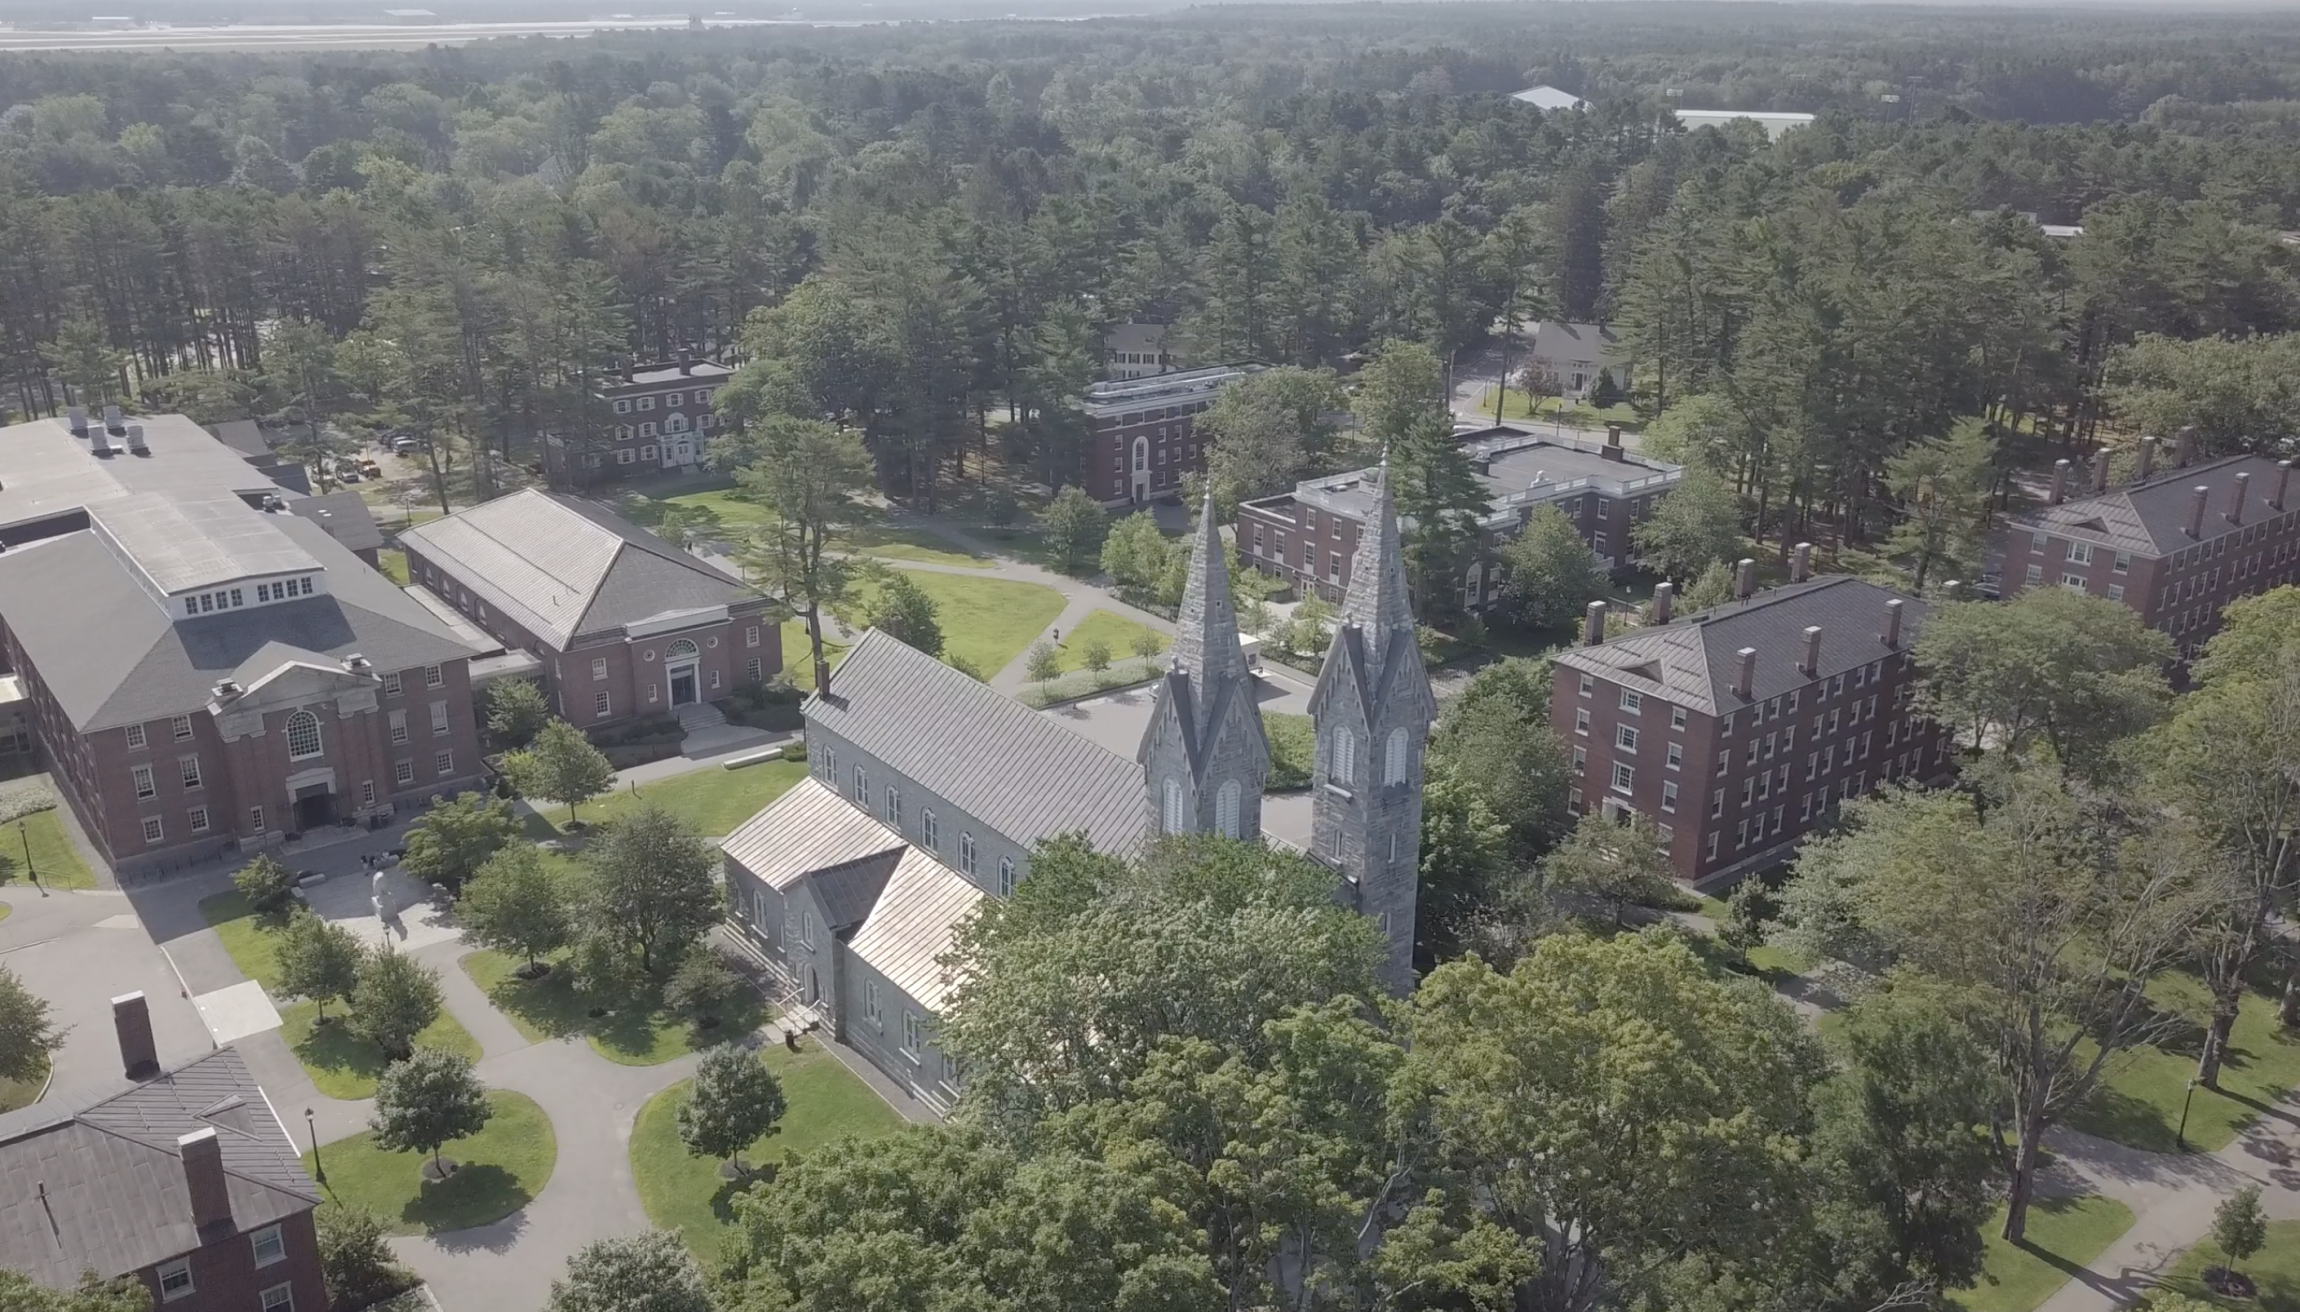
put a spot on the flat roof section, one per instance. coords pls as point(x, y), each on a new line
point(185, 544)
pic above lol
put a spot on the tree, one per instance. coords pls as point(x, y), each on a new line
point(1552, 573)
point(456, 837)
point(1137, 556)
point(1096, 655)
point(1746, 910)
point(2239, 1227)
point(808, 475)
point(1147, 644)
point(1401, 412)
point(355, 1258)
point(318, 959)
point(1266, 430)
point(2076, 672)
point(1045, 663)
point(266, 886)
point(651, 884)
point(702, 986)
point(1943, 485)
point(516, 711)
point(647, 1272)
point(426, 1102)
point(1072, 526)
point(84, 356)
point(734, 1101)
point(1464, 852)
point(1714, 587)
point(1495, 738)
point(2046, 914)
point(394, 999)
point(561, 764)
point(904, 610)
point(20, 1293)
point(28, 1036)
point(1696, 525)
point(515, 904)
point(1618, 862)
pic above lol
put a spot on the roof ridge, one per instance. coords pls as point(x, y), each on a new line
point(981, 692)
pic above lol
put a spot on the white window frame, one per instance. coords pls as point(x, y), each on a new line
point(270, 1236)
point(1624, 777)
point(180, 728)
point(155, 829)
point(398, 721)
point(403, 772)
point(391, 684)
point(434, 677)
point(443, 763)
point(318, 742)
point(278, 1298)
point(197, 818)
point(135, 737)
point(913, 1033)
point(1006, 876)
point(146, 786)
point(167, 1271)
point(966, 853)
point(439, 722)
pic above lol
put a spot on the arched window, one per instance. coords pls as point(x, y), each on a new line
point(683, 647)
point(1394, 758)
point(1226, 810)
point(1343, 760)
point(1173, 815)
point(302, 736)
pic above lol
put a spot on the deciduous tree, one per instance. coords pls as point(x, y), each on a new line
point(319, 959)
point(515, 904)
point(453, 839)
point(426, 1102)
point(734, 1100)
point(1552, 572)
point(394, 999)
point(647, 1272)
point(651, 884)
point(516, 712)
point(28, 1037)
point(808, 474)
point(561, 765)
point(904, 610)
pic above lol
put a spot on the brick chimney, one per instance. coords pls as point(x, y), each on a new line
point(2187, 448)
point(1811, 665)
point(1593, 624)
point(2100, 470)
point(2147, 464)
point(1891, 637)
point(132, 1023)
point(2196, 511)
point(2059, 483)
point(1664, 598)
point(2283, 484)
point(203, 1155)
point(1744, 579)
point(686, 361)
point(1801, 563)
point(2238, 492)
point(1745, 672)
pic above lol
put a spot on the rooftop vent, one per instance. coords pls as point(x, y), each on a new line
point(136, 441)
point(357, 663)
point(99, 442)
point(227, 690)
point(113, 423)
point(77, 417)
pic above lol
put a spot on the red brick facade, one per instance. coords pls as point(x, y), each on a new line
point(660, 418)
point(226, 1278)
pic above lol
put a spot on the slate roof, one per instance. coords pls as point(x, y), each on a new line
point(561, 567)
point(1690, 662)
point(45, 471)
point(1016, 771)
point(1555, 339)
point(345, 517)
point(112, 655)
point(918, 913)
point(181, 542)
point(2151, 518)
point(808, 828)
point(96, 1184)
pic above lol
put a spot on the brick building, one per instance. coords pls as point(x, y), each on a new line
point(2175, 545)
point(1144, 439)
point(661, 418)
point(623, 623)
point(1738, 729)
point(1309, 536)
point(201, 668)
point(186, 1181)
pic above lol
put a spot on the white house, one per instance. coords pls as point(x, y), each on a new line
point(1571, 356)
point(1136, 350)
point(1774, 124)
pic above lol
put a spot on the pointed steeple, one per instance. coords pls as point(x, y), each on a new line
point(1377, 600)
point(1206, 628)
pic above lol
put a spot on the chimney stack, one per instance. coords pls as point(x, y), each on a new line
point(1952, 591)
point(686, 362)
point(1801, 563)
point(1744, 579)
point(2283, 483)
point(132, 1022)
point(2238, 493)
point(1593, 624)
point(1892, 633)
point(1613, 435)
point(112, 421)
point(136, 443)
point(1812, 664)
point(2100, 470)
point(1664, 597)
point(99, 442)
point(1745, 672)
point(2187, 454)
point(77, 417)
point(2196, 511)
point(203, 1155)
point(2147, 459)
point(2059, 483)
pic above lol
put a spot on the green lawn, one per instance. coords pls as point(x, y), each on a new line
point(986, 622)
point(21, 1093)
point(715, 801)
point(1771, 962)
point(2275, 1270)
point(798, 655)
point(344, 1065)
point(6, 910)
point(2063, 1235)
point(249, 943)
point(54, 858)
point(501, 1169)
point(1582, 411)
point(2140, 1104)
point(393, 563)
point(726, 515)
point(629, 1035)
point(1114, 631)
point(679, 1191)
point(914, 544)
point(1293, 748)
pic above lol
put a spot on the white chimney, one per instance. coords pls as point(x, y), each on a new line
point(136, 442)
point(2059, 483)
point(1593, 624)
point(2196, 511)
point(1664, 597)
point(1801, 563)
point(1812, 662)
point(1745, 672)
point(2100, 470)
point(1744, 579)
point(2237, 494)
point(1892, 633)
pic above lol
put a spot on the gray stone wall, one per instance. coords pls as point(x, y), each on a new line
point(922, 1073)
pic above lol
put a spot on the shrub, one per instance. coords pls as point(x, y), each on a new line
point(268, 886)
point(356, 1261)
point(702, 987)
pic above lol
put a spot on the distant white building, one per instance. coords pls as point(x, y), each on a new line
point(1136, 350)
point(1548, 98)
point(1774, 124)
point(1571, 357)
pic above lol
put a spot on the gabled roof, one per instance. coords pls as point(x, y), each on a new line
point(561, 566)
point(1555, 339)
point(808, 828)
point(345, 517)
point(1018, 772)
point(2152, 517)
point(918, 913)
point(1691, 662)
point(1548, 97)
point(96, 1183)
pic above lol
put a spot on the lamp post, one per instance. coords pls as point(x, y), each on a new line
point(31, 872)
point(2180, 1136)
point(318, 1170)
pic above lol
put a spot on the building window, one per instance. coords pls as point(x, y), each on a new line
point(894, 808)
point(2116, 592)
point(1173, 815)
point(928, 832)
point(646, 429)
point(911, 1028)
point(1623, 777)
point(2122, 564)
point(623, 407)
point(1668, 796)
point(1581, 720)
point(2080, 552)
point(268, 1245)
point(181, 727)
point(303, 736)
point(751, 635)
point(598, 668)
point(367, 792)
point(1632, 703)
point(135, 736)
point(870, 1001)
point(154, 831)
point(2034, 576)
point(2073, 582)
point(1580, 760)
point(443, 762)
point(966, 854)
point(391, 684)
point(144, 785)
point(1006, 876)
point(433, 677)
point(754, 671)
point(807, 930)
point(198, 817)
point(2037, 541)
point(188, 768)
point(1394, 759)
point(175, 1279)
point(1588, 685)
point(256, 818)
point(403, 771)
point(439, 719)
point(1226, 808)
point(602, 706)
point(398, 727)
point(1676, 758)
point(645, 453)
point(1625, 738)
point(862, 789)
point(279, 1298)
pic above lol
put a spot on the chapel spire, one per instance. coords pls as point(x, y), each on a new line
point(1377, 600)
point(1206, 628)
point(1204, 756)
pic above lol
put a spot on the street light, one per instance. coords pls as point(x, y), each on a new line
point(318, 1171)
point(2180, 1136)
point(30, 871)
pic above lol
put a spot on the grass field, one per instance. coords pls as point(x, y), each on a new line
point(687, 1193)
point(724, 514)
point(393, 563)
point(249, 942)
point(2140, 1104)
point(985, 621)
point(342, 1064)
point(54, 858)
point(629, 1035)
point(1771, 962)
point(715, 801)
point(1582, 412)
point(2275, 1270)
point(1293, 748)
point(798, 655)
point(501, 1169)
point(1113, 630)
point(21, 1093)
point(2063, 1235)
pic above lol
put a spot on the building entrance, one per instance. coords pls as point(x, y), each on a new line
point(314, 807)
